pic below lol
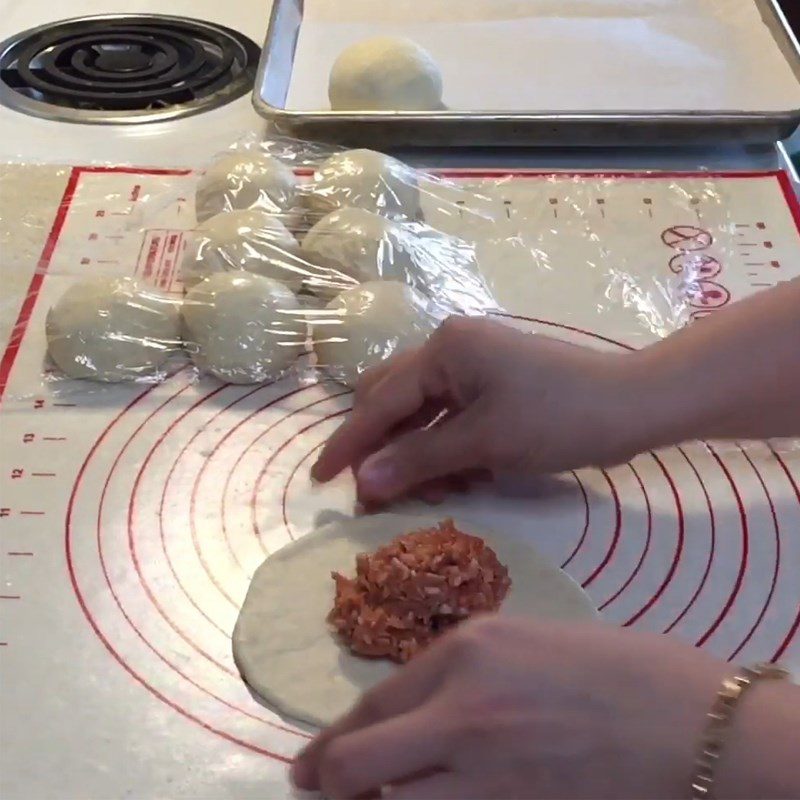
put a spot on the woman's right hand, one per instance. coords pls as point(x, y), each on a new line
point(512, 402)
point(505, 708)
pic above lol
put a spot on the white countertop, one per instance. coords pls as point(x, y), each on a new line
point(29, 198)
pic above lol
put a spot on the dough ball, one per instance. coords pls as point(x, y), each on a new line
point(248, 239)
point(357, 246)
point(242, 327)
point(112, 329)
point(385, 74)
point(364, 179)
point(354, 246)
point(248, 180)
point(367, 324)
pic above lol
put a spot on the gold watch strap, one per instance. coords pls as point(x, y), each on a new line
point(719, 721)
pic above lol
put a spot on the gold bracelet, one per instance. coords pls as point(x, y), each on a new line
point(719, 721)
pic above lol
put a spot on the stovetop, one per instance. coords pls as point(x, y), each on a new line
point(193, 140)
point(117, 69)
point(172, 142)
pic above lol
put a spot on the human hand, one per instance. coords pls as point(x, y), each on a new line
point(520, 709)
point(509, 401)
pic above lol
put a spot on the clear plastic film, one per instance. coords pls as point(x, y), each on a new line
point(344, 233)
point(295, 259)
point(154, 499)
point(287, 257)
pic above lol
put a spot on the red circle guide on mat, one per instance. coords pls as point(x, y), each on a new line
point(163, 499)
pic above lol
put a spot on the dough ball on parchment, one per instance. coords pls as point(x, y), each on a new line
point(385, 73)
point(369, 323)
point(237, 181)
point(242, 327)
point(364, 179)
point(112, 329)
point(248, 239)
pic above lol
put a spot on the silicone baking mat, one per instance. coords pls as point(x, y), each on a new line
point(131, 517)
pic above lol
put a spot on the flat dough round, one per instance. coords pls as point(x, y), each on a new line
point(249, 239)
point(243, 328)
point(368, 324)
point(364, 179)
point(282, 643)
point(248, 180)
point(112, 329)
point(385, 73)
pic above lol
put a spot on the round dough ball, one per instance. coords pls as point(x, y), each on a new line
point(248, 239)
point(357, 246)
point(243, 328)
point(364, 179)
point(112, 329)
point(385, 74)
point(367, 324)
point(247, 180)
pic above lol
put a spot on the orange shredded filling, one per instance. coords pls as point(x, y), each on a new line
point(409, 592)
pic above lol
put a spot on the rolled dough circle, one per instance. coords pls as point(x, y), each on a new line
point(364, 179)
point(249, 239)
point(112, 329)
point(285, 650)
point(385, 73)
point(360, 245)
point(369, 323)
point(243, 328)
point(238, 181)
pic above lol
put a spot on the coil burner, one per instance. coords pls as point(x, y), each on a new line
point(125, 69)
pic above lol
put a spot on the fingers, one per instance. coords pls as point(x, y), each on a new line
point(370, 758)
point(423, 456)
point(438, 786)
point(376, 374)
point(442, 372)
point(398, 396)
point(400, 694)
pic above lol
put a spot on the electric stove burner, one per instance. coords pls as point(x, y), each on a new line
point(125, 68)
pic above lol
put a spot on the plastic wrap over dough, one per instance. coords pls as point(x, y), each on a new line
point(369, 323)
point(238, 181)
point(361, 246)
point(364, 179)
point(250, 240)
point(243, 328)
point(112, 329)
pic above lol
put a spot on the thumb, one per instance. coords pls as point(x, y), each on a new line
point(421, 456)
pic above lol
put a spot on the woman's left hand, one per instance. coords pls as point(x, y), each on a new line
point(502, 709)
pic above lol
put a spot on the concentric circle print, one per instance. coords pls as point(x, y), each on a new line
point(193, 483)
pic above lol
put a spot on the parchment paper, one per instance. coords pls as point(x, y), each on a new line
point(565, 55)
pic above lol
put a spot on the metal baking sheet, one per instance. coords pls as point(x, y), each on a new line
point(535, 127)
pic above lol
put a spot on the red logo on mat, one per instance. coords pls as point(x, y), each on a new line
point(708, 295)
point(687, 238)
point(695, 265)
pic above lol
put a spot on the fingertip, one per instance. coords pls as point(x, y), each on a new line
point(432, 496)
point(302, 775)
point(318, 471)
point(304, 768)
point(377, 477)
point(360, 509)
point(323, 470)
